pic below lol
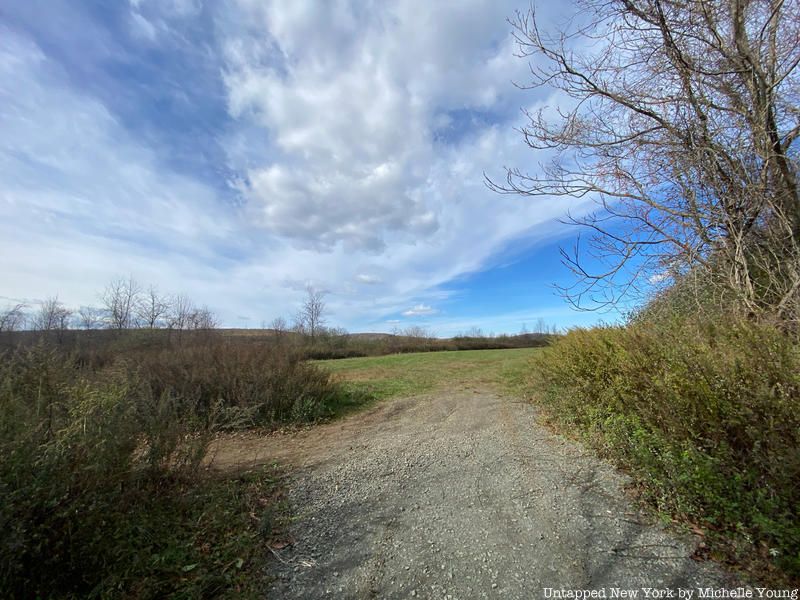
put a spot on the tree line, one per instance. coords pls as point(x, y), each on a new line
point(124, 304)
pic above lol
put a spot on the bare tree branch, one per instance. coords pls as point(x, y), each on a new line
point(682, 127)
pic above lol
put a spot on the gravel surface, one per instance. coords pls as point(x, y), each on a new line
point(464, 496)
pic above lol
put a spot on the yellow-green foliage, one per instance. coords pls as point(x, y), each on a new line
point(706, 416)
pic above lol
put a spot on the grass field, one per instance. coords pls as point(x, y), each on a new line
point(382, 377)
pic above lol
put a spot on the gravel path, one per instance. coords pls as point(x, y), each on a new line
point(464, 496)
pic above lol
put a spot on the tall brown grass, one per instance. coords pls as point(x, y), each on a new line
point(101, 452)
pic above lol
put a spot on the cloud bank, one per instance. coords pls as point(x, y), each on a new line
point(340, 144)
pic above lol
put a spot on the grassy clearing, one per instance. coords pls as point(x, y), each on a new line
point(399, 375)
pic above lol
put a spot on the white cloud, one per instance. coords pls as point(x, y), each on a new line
point(353, 100)
point(377, 123)
point(81, 202)
point(368, 279)
point(657, 278)
point(171, 8)
point(420, 310)
point(143, 28)
point(362, 132)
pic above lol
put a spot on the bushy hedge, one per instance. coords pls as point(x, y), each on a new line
point(238, 384)
point(706, 416)
point(328, 347)
point(101, 483)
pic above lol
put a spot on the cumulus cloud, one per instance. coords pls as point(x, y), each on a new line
point(420, 310)
point(355, 139)
point(360, 105)
point(376, 125)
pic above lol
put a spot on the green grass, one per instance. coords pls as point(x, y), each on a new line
point(400, 375)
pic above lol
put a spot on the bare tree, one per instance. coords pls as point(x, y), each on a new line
point(279, 328)
point(540, 326)
point(120, 299)
point(12, 318)
point(90, 317)
point(417, 331)
point(51, 316)
point(202, 319)
point(682, 125)
point(180, 313)
point(298, 326)
point(311, 317)
point(152, 309)
point(279, 325)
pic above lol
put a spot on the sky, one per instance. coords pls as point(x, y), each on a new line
point(238, 151)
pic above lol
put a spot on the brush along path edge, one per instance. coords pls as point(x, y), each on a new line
point(463, 495)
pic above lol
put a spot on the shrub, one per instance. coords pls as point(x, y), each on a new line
point(241, 384)
point(100, 455)
point(706, 416)
point(76, 458)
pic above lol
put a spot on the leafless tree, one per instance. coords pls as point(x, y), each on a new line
point(12, 318)
point(180, 313)
point(417, 331)
point(152, 309)
point(311, 317)
point(90, 317)
point(202, 319)
point(120, 299)
point(279, 328)
point(682, 124)
point(51, 316)
point(540, 326)
point(279, 325)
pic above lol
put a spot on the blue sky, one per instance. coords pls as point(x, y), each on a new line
point(237, 151)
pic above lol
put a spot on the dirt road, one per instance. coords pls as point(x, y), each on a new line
point(462, 495)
